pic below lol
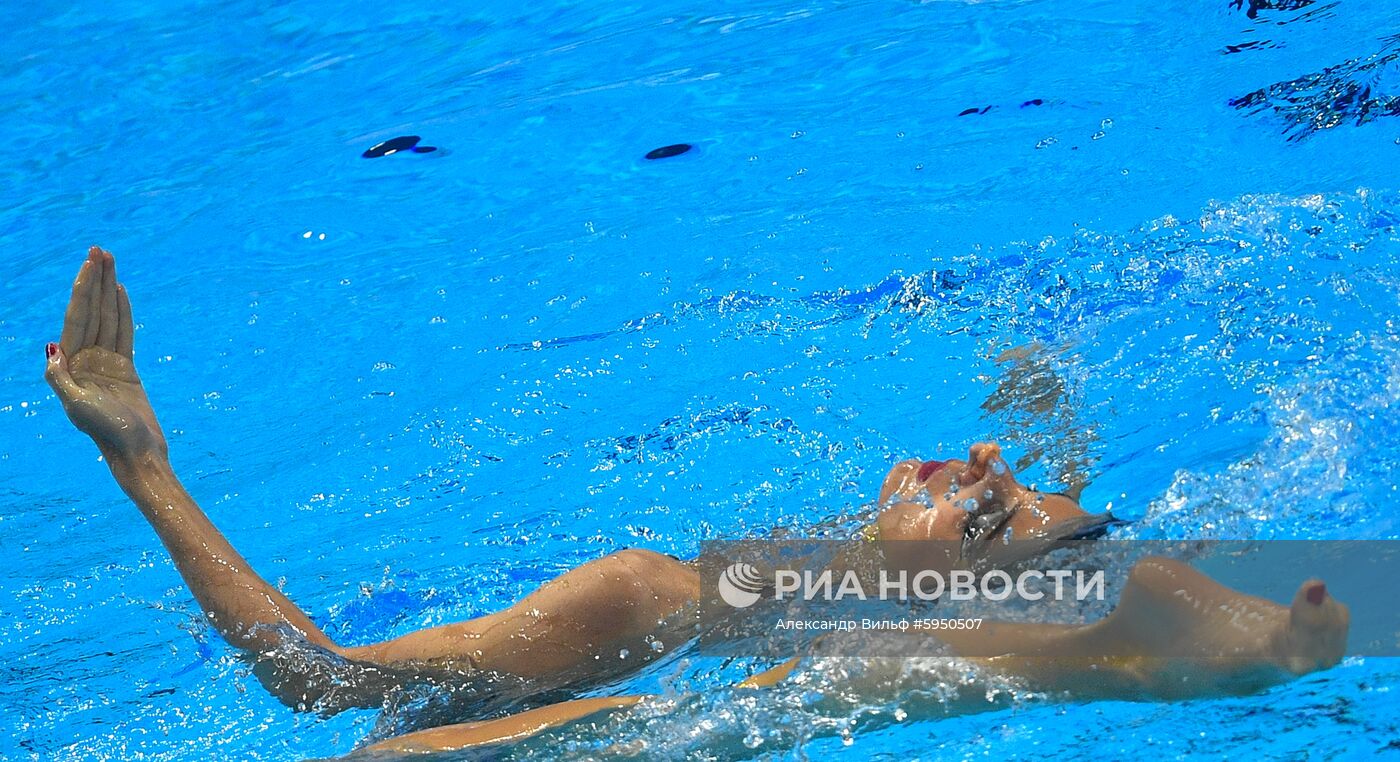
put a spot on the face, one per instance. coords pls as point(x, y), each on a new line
point(981, 484)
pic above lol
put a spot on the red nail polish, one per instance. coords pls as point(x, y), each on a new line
point(51, 349)
point(1317, 594)
point(929, 468)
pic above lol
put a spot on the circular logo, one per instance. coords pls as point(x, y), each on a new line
point(740, 585)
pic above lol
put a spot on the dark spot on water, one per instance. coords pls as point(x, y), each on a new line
point(1338, 95)
point(1251, 45)
point(666, 152)
point(1033, 102)
point(1269, 5)
point(397, 145)
point(975, 110)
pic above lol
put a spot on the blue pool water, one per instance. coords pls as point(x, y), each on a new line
point(412, 388)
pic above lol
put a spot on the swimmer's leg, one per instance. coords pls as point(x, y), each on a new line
point(604, 616)
point(515, 727)
point(522, 725)
point(1175, 633)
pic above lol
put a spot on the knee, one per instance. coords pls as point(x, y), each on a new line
point(655, 577)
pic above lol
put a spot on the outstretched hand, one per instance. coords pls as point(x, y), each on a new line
point(91, 369)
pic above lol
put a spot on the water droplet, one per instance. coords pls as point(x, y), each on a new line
point(658, 646)
point(623, 654)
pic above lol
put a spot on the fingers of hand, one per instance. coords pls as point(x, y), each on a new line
point(981, 456)
point(93, 293)
point(75, 321)
point(56, 373)
point(977, 497)
point(126, 330)
point(108, 316)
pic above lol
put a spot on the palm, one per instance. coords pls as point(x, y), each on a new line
point(91, 368)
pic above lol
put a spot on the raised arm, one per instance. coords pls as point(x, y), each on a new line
point(91, 370)
point(609, 606)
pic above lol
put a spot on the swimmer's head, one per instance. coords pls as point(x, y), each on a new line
point(936, 481)
point(909, 478)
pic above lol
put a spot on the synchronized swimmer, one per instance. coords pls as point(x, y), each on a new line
point(568, 634)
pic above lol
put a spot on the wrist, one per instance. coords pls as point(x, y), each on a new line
point(127, 466)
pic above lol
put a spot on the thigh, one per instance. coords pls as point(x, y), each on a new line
point(588, 618)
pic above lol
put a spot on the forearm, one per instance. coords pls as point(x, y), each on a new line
point(244, 608)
